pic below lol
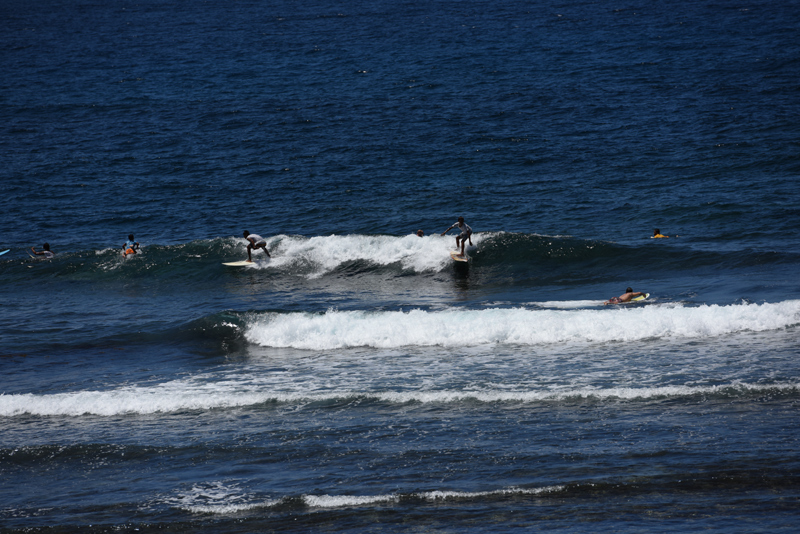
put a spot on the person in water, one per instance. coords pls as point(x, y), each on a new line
point(255, 241)
point(625, 297)
point(466, 233)
point(46, 252)
point(420, 233)
point(657, 233)
point(130, 246)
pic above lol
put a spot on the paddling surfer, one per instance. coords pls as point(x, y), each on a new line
point(465, 235)
point(130, 246)
point(625, 297)
point(255, 241)
point(657, 234)
point(46, 252)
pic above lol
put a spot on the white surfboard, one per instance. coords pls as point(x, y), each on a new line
point(245, 263)
point(456, 255)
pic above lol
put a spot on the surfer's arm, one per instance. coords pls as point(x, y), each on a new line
point(451, 227)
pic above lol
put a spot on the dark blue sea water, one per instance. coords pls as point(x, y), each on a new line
point(360, 380)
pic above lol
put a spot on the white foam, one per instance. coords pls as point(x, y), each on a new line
point(169, 397)
point(345, 501)
point(324, 254)
point(567, 393)
point(567, 304)
point(185, 395)
point(461, 328)
point(215, 498)
point(445, 495)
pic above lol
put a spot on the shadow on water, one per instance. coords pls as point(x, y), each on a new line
point(461, 275)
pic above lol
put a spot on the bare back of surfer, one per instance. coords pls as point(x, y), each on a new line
point(255, 241)
point(625, 297)
point(464, 236)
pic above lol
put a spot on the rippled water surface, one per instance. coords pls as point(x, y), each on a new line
point(359, 380)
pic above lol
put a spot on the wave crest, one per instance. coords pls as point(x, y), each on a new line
point(520, 326)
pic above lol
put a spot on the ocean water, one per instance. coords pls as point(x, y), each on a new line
point(359, 380)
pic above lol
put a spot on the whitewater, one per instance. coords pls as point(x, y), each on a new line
point(515, 326)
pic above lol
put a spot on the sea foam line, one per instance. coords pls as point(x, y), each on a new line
point(339, 501)
point(520, 326)
point(227, 501)
point(141, 401)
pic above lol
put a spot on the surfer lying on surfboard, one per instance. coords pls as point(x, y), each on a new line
point(657, 234)
point(625, 297)
point(46, 252)
point(130, 246)
point(466, 233)
point(255, 241)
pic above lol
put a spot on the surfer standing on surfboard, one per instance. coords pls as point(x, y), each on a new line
point(466, 233)
point(255, 241)
point(626, 297)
